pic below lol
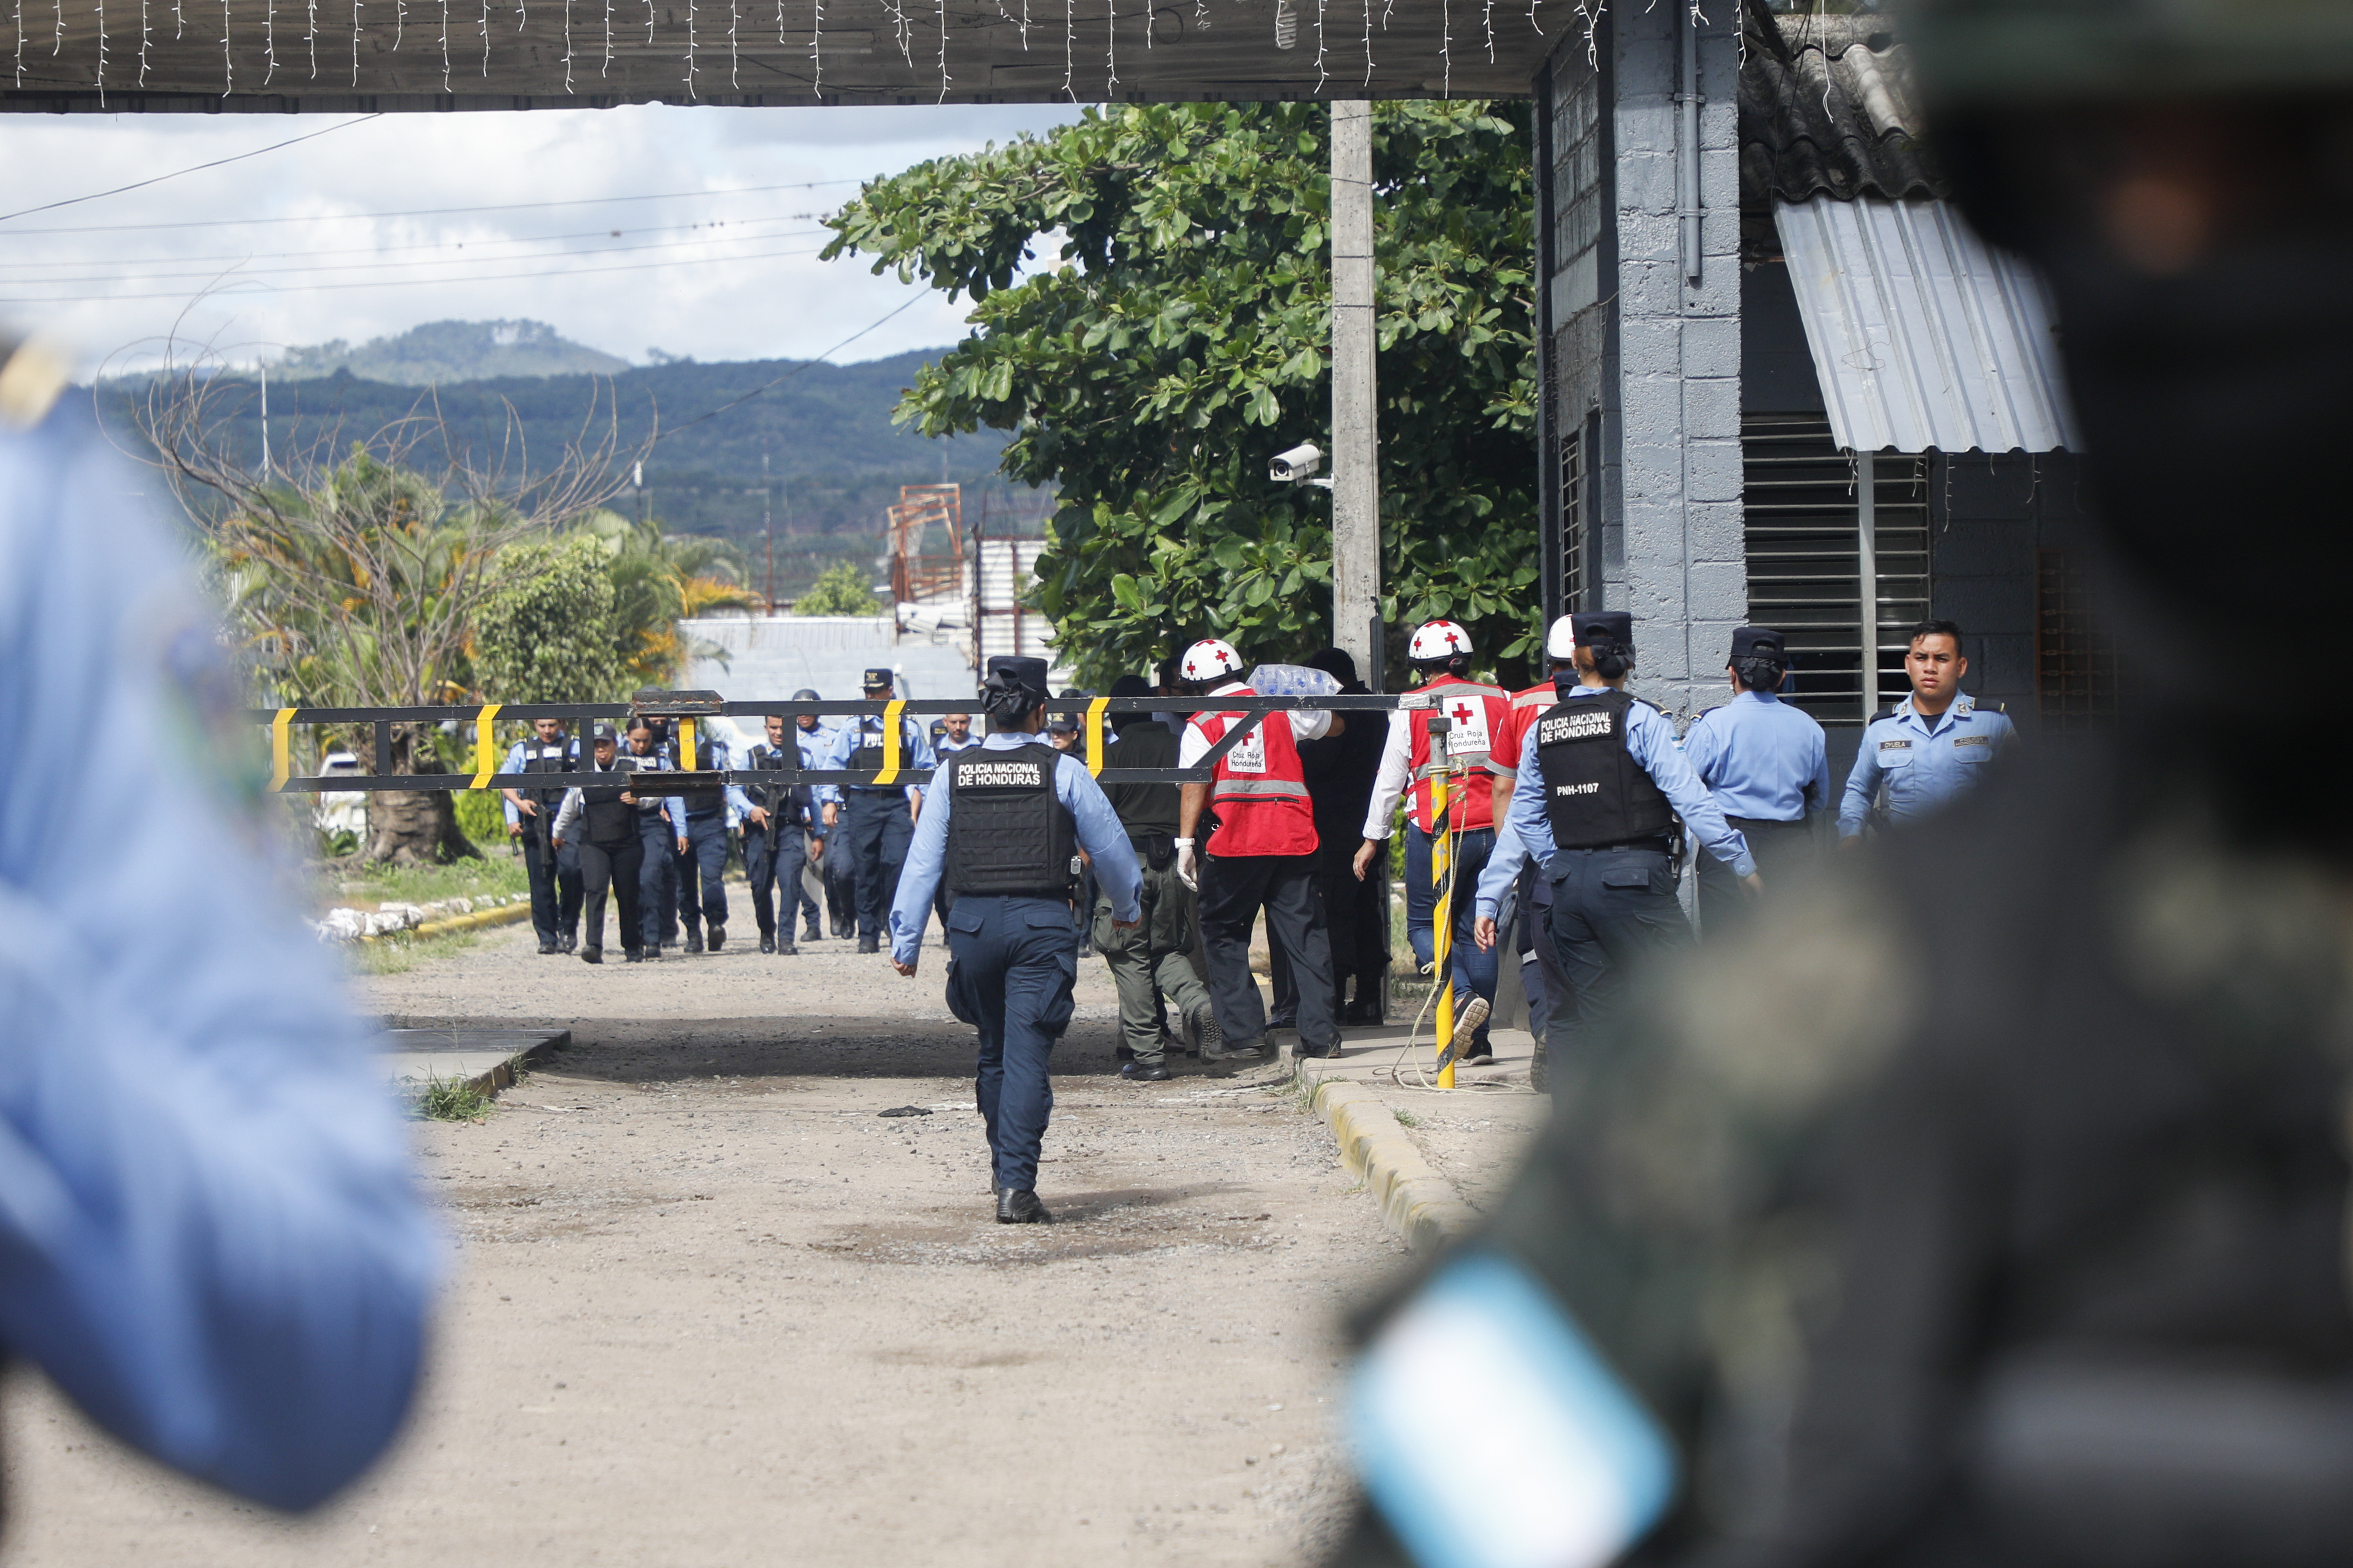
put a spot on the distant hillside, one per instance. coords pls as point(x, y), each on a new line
point(835, 461)
point(444, 351)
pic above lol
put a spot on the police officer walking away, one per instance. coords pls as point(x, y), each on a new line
point(776, 821)
point(1927, 748)
point(1769, 765)
point(602, 819)
point(1599, 787)
point(1006, 823)
point(1262, 856)
point(555, 873)
point(880, 818)
point(1148, 961)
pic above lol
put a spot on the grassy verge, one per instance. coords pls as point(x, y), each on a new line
point(500, 871)
point(399, 954)
point(450, 1099)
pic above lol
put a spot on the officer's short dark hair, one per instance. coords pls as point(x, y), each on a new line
point(1165, 671)
point(1936, 629)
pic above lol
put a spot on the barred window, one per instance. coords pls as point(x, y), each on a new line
point(2074, 659)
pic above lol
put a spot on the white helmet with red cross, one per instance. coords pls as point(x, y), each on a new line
point(1211, 658)
point(1435, 642)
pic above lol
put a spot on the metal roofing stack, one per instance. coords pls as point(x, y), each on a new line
point(1827, 108)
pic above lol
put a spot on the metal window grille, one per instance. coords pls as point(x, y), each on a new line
point(2074, 659)
point(1572, 519)
point(1806, 545)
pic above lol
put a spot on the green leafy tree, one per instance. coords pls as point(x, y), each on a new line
point(840, 590)
point(1186, 337)
point(548, 633)
point(660, 579)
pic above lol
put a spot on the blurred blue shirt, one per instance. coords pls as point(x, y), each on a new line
point(1920, 762)
point(1651, 741)
point(212, 1242)
point(1100, 835)
point(1764, 758)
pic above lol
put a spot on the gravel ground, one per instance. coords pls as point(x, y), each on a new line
point(712, 1308)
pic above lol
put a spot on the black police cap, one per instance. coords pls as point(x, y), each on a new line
point(1007, 671)
point(1606, 627)
point(603, 732)
point(876, 679)
point(1757, 642)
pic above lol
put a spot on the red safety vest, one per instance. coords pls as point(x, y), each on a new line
point(1258, 789)
point(1477, 713)
point(1524, 708)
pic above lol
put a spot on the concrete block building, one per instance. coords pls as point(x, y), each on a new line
point(1784, 384)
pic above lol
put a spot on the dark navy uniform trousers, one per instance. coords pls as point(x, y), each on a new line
point(1610, 908)
point(879, 832)
point(1011, 965)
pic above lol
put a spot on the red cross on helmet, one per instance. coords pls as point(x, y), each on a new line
point(1434, 642)
point(1211, 658)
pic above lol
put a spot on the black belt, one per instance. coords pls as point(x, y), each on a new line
point(1660, 844)
point(1768, 823)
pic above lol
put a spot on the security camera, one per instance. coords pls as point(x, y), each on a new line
point(1297, 465)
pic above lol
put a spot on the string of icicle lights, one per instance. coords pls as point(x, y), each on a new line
point(902, 16)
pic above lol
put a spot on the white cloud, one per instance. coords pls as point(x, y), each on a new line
point(719, 276)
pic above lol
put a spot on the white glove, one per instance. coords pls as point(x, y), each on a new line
point(1189, 869)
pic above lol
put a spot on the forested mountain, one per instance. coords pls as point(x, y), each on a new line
point(452, 350)
point(834, 458)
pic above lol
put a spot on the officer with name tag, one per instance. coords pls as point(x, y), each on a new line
point(776, 823)
point(554, 874)
point(1600, 786)
point(1927, 748)
point(879, 818)
point(1004, 826)
point(703, 863)
point(599, 822)
point(1439, 652)
point(661, 836)
point(1769, 765)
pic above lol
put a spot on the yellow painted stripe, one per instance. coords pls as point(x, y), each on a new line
point(486, 751)
point(686, 746)
point(1442, 967)
point(1094, 733)
point(891, 738)
point(281, 758)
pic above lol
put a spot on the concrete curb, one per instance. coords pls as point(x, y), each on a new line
point(504, 915)
point(1417, 1203)
point(503, 1075)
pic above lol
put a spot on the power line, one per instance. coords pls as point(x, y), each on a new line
point(770, 386)
point(421, 261)
point(191, 169)
point(421, 212)
point(403, 282)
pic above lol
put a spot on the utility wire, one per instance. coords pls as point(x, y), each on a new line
point(191, 169)
point(768, 388)
point(416, 212)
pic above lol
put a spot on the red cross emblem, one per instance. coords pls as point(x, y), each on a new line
point(1461, 710)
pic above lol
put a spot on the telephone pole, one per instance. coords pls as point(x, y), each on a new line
point(1356, 405)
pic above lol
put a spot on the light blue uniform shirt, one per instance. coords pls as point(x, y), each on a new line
point(943, 747)
point(1100, 835)
point(1651, 741)
point(513, 765)
point(211, 1239)
point(915, 749)
point(657, 762)
point(1921, 763)
point(1764, 758)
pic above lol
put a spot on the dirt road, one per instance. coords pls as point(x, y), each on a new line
point(709, 1307)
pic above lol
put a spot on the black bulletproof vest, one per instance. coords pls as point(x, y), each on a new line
point(1007, 833)
point(867, 757)
point(786, 803)
point(544, 757)
point(703, 802)
point(610, 820)
point(1595, 792)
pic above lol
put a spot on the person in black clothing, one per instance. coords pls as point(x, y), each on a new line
point(602, 820)
point(1340, 774)
point(554, 874)
point(1151, 960)
point(775, 837)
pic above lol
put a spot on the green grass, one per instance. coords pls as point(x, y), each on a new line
point(399, 954)
point(450, 1099)
point(500, 871)
point(1406, 1117)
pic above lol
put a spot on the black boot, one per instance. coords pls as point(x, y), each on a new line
point(591, 955)
point(1019, 1205)
point(693, 940)
point(768, 942)
point(718, 936)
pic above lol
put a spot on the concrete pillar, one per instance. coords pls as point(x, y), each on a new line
point(1356, 406)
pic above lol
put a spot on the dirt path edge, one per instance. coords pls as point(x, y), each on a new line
point(1417, 1203)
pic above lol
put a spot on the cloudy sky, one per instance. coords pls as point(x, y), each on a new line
point(690, 230)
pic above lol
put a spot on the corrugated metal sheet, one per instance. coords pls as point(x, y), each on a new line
point(1828, 107)
point(1923, 338)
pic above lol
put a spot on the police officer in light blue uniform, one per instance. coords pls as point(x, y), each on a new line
point(662, 833)
point(1600, 783)
point(215, 1244)
point(553, 870)
point(1002, 828)
point(1927, 748)
point(879, 818)
point(702, 865)
point(1767, 762)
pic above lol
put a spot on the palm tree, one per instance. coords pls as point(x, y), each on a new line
point(662, 579)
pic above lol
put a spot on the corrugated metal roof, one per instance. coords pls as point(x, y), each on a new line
point(1827, 106)
point(1923, 338)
